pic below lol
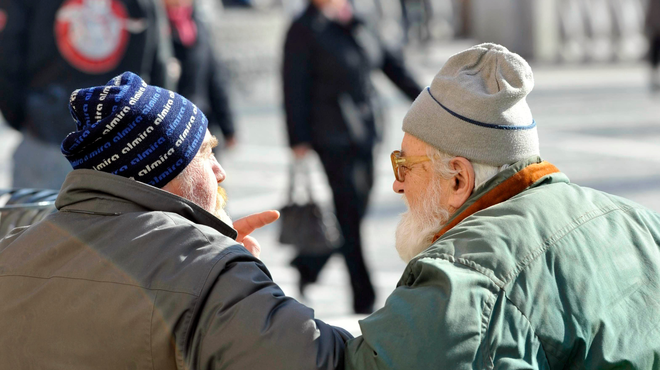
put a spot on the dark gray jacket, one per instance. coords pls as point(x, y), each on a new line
point(653, 18)
point(127, 276)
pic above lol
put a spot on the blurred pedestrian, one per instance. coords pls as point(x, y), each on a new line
point(331, 107)
point(653, 35)
point(50, 47)
point(202, 79)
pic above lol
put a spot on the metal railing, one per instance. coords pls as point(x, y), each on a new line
point(23, 207)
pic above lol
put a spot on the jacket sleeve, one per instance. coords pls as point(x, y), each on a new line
point(248, 323)
point(448, 316)
point(394, 68)
point(297, 81)
point(14, 16)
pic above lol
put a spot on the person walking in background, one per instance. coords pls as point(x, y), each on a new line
point(50, 47)
point(202, 79)
point(653, 34)
point(331, 107)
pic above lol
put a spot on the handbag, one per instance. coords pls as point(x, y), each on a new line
point(306, 226)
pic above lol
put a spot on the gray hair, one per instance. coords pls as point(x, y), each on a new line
point(482, 172)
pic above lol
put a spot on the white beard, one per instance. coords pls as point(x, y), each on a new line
point(220, 203)
point(418, 226)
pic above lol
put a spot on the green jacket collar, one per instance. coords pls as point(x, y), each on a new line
point(94, 192)
point(522, 175)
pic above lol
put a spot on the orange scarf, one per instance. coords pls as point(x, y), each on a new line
point(504, 191)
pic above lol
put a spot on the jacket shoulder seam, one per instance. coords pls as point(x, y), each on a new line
point(98, 281)
point(535, 253)
point(485, 321)
point(220, 255)
point(151, 332)
point(550, 241)
point(196, 310)
point(509, 301)
point(197, 301)
point(488, 273)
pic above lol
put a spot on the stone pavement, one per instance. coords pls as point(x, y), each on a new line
point(598, 123)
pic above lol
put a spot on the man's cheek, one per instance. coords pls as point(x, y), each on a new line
point(411, 201)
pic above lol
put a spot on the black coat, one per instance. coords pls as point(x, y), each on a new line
point(329, 98)
point(653, 18)
point(48, 48)
point(203, 78)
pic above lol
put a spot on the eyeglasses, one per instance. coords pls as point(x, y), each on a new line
point(401, 164)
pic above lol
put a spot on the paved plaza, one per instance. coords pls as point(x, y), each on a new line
point(597, 123)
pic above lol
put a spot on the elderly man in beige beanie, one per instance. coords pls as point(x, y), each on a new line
point(509, 264)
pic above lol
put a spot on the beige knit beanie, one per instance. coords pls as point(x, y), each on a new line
point(476, 107)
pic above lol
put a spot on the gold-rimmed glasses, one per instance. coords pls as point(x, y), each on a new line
point(401, 164)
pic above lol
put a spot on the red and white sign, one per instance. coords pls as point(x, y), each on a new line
point(92, 35)
point(3, 19)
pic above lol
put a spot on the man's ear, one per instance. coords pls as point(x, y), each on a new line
point(463, 182)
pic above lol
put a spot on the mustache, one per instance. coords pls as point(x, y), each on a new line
point(222, 193)
point(220, 203)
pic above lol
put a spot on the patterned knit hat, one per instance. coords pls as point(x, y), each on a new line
point(134, 130)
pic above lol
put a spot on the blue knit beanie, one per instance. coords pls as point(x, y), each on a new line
point(134, 130)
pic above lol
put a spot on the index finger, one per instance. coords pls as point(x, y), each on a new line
point(246, 225)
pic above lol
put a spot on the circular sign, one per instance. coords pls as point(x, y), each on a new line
point(92, 35)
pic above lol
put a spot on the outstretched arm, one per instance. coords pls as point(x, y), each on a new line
point(395, 69)
point(248, 323)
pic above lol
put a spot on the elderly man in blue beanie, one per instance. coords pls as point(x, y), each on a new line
point(510, 265)
point(135, 271)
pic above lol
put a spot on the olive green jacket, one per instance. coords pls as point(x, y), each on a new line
point(127, 276)
point(557, 277)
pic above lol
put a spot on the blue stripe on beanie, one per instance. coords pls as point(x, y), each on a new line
point(134, 130)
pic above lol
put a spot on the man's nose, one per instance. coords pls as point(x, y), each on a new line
point(219, 172)
point(397, 186)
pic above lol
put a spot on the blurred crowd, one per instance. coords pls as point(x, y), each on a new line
point(50, 48)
